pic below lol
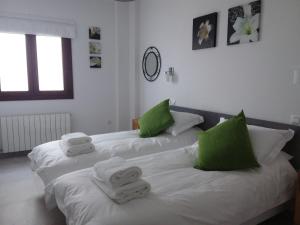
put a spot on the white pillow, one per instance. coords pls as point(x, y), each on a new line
point(183, 122)
point(267, 143)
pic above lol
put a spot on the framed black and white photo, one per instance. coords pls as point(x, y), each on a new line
point(95, 47)
point(244, 23)
point(95, 33)
point(205, 31)
point(95, 62)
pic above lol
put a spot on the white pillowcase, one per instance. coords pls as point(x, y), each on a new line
point(183, 122)
point(267, 143)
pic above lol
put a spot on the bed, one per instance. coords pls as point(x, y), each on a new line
point(181, 194)
point(49, 162)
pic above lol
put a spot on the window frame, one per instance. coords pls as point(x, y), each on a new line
point(33, 92)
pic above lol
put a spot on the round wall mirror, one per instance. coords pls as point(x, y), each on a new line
point(151, 64)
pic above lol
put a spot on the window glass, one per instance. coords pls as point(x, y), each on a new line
point(49, 60)
point(13, 59)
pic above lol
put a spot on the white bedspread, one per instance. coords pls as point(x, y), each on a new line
point(50, 162)
point(180, 194)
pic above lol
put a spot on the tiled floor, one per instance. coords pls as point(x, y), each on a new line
point(21, 198)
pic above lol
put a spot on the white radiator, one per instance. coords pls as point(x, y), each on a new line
point(23, 132)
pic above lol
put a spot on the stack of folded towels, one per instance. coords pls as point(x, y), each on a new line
point(73, 144)
point(119, 180)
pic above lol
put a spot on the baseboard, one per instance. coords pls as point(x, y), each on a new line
point(13, 154)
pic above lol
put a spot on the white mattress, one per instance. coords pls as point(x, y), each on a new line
point(50, 162)
point(180, 194)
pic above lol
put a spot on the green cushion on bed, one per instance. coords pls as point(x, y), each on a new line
point(156, 120)
point(226, 147)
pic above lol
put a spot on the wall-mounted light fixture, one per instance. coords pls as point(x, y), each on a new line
point(170, 74)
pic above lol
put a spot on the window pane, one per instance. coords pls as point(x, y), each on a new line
point(13, 69)
point(50, 69)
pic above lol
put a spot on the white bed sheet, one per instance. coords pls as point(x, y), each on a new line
point(50, 162)
point(180, 194)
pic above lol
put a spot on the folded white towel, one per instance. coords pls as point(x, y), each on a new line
point(116, 172)
point(76, 138)
point(126, 193)
point(76, 149)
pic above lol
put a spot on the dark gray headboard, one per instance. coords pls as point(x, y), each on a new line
point(212, 118)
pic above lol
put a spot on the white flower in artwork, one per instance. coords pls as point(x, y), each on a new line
point(204, 30)
point(246, 28)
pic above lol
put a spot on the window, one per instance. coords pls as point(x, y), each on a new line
point(35, 67)
point(9, 72)
point(49, 50)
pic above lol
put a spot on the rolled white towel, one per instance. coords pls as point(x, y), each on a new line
point(116, 172)
point(76, 149)
point(76, 138)
point(126, 193)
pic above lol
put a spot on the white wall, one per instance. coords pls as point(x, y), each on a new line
point(125, 36)
point(94, 106)
point(122, 64)
point(133, 62)
point(256, 77)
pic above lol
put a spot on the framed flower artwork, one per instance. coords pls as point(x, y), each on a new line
point(95, 33)
point(205, 31)
point(95, 62)
point(95, 47)
point(244, 23)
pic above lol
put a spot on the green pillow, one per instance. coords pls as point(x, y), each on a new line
point(226, 147)
point(156, 120)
